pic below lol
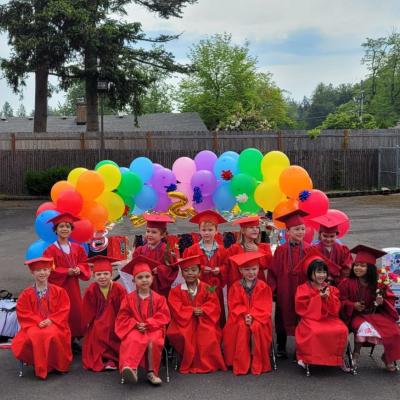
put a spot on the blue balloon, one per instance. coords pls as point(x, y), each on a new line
point(36, 249)
point(231, 154)
point(147, 198)
point(137, 211)
point(44, 228)
point(225, 163)
point(143, 167)
point(223, 198)
point(85, 247)
point(123, 169)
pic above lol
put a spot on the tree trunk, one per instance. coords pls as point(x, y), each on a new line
point(40, 118)
point(92, 124)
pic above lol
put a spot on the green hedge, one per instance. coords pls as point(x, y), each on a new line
point(40, 182)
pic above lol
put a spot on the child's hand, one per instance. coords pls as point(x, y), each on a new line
point(141, 327)
point(207, 269)
point(216, 271)
point(359, 306)
point(324, 294)
point(379, 300)
point(154, 270)
point(76, 270)
point(71, 271)
point(44, 323)
point(248, 319)
point(198, 312)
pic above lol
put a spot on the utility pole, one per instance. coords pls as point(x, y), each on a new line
point(361, 101)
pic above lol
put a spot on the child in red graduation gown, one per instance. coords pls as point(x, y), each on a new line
point(371, 315)
point(247, 334)
point(284, 279)
point(165, 271)
point(194, 331)
point(249, 241)
point(328, 246)
point(141, 324)
point(212, 254)
point(70, 266)
point(321, 337)
point(44, 339)
point(101, 303)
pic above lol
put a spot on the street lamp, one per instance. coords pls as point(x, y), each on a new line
point(102, 89)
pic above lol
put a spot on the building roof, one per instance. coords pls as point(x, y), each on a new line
point(162, 122)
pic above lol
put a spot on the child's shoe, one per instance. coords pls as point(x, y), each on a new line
point(153, 379)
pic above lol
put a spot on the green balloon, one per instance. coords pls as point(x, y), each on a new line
point(128, 200)
point(250, 206)
point(130, 185)
point(105, 162)
point(250, 163)
point(243, 183)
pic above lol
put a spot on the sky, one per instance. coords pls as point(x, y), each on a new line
point(302, 43)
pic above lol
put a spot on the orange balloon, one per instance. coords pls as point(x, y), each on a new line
point(294, 180)
point(59, 187)
point(96, 213)
point(284, 207)
point(90, 185)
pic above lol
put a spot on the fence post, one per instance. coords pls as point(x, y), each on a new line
point(279, 143)
point(149, 143)
point(346, 139)
point(13, 142)
point(379, 168)
point(215, 141)
point(82, 141)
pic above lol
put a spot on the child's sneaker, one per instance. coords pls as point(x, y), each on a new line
point(129, 375)
point(153, 379)
point(110, 366)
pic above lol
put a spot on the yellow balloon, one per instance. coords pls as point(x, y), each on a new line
point(113, 204)
point(274, 163)
point(111, 175)
point(268, 195)
point(75, 174)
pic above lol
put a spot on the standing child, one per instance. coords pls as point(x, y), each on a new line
point(44, 339)
point(284, 279)
point(164, 270)
point(370, 312)
point(321, 336)
point(212, 255)
point(249, 241)
point(194, 331)
point(248, 331)
point(101, 303)
point(329, 247)
point(70, 266)
point(141, 324)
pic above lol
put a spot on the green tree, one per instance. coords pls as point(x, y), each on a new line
point(21, 111)
point(7, 111)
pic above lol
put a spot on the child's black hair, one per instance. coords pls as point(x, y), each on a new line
point(316, 265)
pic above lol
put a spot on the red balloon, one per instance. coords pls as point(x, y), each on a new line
point(316, 204)
point(344, 224)
point(83, 231)
point(309, 236)
point(69, 201)
point(45, 207)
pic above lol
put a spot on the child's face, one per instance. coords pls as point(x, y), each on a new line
point(296, 233)
point(143, 280)
point(63, 230)
point(154, 236)
point(191, 274)
point(251, 232)
point(360, 269)
point(102, 278)
point(319, 276)
point(249, 273)
point(327, 239)
point(41, 275)
point(207, 231)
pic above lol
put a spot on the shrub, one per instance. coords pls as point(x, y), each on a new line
point(39, 183)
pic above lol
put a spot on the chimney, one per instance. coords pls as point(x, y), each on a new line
point(81, 112)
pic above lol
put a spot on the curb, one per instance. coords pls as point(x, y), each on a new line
point(372, 192)
point(6, 197)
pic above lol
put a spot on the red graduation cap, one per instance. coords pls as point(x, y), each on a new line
point(246, 260)
point(328, 224)
point(102, 263)
point(294, 218)
point(313, 255)
point(189, 262)
point(208, 216)
point(40, 262)
point(139, 264)
point(157, 220)
point(247, 222)
point(64, 217)
point(365, 254)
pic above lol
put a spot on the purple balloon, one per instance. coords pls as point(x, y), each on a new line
point(163, 178)
point(206, 204)
point(163, 203)
point(205, 160)
point(205, 180)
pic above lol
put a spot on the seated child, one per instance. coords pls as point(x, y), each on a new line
point(101, 303)
point(247, 334)
point(321, 337)
point(194, 331)
point(44, 339)
point(141, 324)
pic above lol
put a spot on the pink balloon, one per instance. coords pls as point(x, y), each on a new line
point(162, 178)
point(205, 180)
point(205, 160)
point(186, 189)
point(69, 201)
point(343, 219)
point(184, 168)
point(48, 205)
point(206, 204)
point(163, 202)
point(316, 204)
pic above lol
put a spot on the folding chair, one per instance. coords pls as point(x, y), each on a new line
point(273, 354)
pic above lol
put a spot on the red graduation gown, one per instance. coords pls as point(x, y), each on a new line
point(100, 343)
point(247, 347)
point(233, 274)
point(283, 279)
point(339, 255)
point(153, 311)
point(321, 337)
point(196, 339)
point(166, 274)
point(59, 276)
point(46, 348)
point(383, 319)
